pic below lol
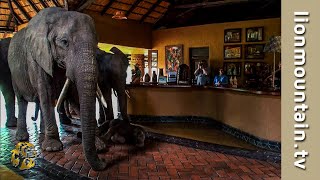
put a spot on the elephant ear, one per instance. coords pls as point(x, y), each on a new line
point(124, 58)
point(37, 40)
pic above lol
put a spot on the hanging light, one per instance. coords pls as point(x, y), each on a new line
point(119, 15)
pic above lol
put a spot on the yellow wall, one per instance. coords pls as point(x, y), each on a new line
point(212, 36)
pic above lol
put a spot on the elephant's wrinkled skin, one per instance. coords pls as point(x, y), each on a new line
point(56, 38)
point(6, 83)
point(112, 75)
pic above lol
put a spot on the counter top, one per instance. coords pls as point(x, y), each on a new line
point(250, 91)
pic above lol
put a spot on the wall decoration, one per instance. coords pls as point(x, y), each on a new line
point(232, 35)
point(254, 51)
point(254, 34)
point(232, 51)
point(174, 57)
point(232, 68)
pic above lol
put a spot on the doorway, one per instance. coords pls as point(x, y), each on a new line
point(196, 55)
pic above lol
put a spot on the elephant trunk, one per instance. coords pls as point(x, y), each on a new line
point(86, 80)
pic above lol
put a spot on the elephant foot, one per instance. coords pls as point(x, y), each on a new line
point(12, 122)
point(64, 119)
point(50, 144)
point(22, 135)
point(99, 165)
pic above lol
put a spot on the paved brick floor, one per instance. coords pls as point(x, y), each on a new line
point(158, 160)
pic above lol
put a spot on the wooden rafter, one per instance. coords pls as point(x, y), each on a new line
point(45, 5)
point(34, 7)
point(25, 14)
point(6, 29)
point(18, 20)
point(135, 4)
point(150, 10)
point(9, 20)
point(56, 3)
point(106, 7)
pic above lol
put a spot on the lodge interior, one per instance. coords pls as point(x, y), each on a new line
point(241, 117)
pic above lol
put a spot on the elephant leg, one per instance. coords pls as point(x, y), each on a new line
point(106, 114)
point(9, 98)
point(22, 133)
point(64, 119)
point(122, 99)
point(42, 129)
point(51, 140)
point(36, 112)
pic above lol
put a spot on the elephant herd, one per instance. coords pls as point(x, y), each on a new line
point(56, 57)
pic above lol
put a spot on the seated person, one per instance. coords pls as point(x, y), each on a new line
point(123, 132)
point(221, 79)
point(202, 73)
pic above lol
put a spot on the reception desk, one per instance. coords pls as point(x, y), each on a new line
point(257, 113)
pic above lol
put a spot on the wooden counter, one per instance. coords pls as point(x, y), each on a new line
point(255, 112)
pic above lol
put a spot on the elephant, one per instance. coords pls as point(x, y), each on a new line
point(112, 75)
point(55, 42)
point(6, 83)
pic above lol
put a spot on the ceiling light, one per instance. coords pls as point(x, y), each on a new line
point(119, 15)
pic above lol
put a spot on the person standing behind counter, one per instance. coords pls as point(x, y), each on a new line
point(221, 79)
point(202, 73)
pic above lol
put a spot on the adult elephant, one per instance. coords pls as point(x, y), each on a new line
point(6, 83)
point(56, 38)
point(112, 75)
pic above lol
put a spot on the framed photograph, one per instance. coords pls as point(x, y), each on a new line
point(254, 51)
point(232, 51)
point(232, 68)
point(259, 69)
point(232, 35)
point(254, 34)
point(174, 57)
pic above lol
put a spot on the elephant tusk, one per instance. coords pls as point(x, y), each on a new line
point(127, 93)
point(63, 94)
point(100, 96)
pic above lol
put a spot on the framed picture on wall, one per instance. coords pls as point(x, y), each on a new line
point(254, 51)
point(232, 68)
point(232, 35)
point(254, 34)
point(174, 57)
point(232, 51)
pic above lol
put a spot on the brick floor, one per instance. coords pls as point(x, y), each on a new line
point(158, 160)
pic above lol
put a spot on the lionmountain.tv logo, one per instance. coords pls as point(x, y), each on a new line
point(23, 155)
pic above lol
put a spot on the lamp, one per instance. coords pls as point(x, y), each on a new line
point(274, 46)
point(119, 15)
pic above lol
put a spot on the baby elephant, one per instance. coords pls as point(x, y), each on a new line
point(123, 132)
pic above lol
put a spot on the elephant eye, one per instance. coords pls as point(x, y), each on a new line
point(64, 42)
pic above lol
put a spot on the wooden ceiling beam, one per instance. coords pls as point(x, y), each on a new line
point(45, 5)
point(34, 7)
point(17, 18)
point(22, 10)
point(6, 29)
point(150, 10)
point(56, 3)
point(106, 7)
point(9, 20)
point(135, 4)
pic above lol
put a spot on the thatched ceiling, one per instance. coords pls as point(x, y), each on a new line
point(160, 13)
point(17, 12)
